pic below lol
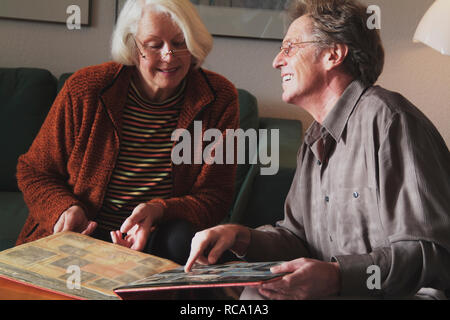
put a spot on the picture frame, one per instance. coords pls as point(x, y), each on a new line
point(240, 21)
point(54, 11)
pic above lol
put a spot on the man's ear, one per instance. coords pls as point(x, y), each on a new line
point(335, 55)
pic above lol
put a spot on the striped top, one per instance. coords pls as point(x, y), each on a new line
point(143, 167)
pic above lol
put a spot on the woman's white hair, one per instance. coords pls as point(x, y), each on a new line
point(198, 40)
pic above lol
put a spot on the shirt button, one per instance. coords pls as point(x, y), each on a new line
point(331, 239)
point(327, 199)
point(355, 195)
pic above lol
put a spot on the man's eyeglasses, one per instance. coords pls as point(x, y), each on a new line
point(290, 48)
point(148, 51)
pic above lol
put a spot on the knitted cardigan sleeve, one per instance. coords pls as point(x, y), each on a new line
point(42, 172)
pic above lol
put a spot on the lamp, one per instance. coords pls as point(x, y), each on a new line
point(434, 28)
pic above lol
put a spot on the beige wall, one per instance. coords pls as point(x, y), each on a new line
point(416, 71)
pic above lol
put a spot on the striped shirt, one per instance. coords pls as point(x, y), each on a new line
point(143, 167)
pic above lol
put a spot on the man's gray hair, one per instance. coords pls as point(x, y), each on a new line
point(345, 22)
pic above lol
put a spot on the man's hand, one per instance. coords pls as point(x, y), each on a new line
point(308, 279)
point(138, 226)
point(208, 245)
point(74, 219)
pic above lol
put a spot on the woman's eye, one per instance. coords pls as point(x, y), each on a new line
point(153, 46)
point(180, 44)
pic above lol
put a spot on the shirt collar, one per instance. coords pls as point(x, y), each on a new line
point(337, 119)
point(335, 122)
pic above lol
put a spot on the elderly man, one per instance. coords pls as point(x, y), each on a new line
point(371, 194)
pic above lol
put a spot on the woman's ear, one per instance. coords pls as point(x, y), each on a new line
point(193, 63)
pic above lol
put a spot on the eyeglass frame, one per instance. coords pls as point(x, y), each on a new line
point(158, 52)
point(292, 45)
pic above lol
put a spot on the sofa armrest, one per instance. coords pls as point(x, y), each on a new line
point(14, 212)
point(26, 95)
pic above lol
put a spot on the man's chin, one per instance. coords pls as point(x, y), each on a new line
point(286, 97)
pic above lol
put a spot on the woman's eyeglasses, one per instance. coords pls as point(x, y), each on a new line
point(148, 51)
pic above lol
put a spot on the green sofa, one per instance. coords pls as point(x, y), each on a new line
point(26, 95)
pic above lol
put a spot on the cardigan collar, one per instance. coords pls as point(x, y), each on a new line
point(199, 94)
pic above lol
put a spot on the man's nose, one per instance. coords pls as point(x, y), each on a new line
point(279, 61)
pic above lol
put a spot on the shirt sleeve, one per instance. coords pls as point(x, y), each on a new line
point(414, 207)
point(277, 243)
point(287, 240)
point(396, 272)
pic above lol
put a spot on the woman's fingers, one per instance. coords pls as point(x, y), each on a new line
point(140, 240)
point(89, 228)
point(116, 237)
point(59, 224)
point(137, 217)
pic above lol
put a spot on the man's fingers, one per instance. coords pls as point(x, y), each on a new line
point(193, 257)
point(289, 266)
point(198, 247)
point(216, 252)
point(273, 295)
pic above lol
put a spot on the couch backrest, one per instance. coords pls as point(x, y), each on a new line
point(26, 95)
point(248, 119)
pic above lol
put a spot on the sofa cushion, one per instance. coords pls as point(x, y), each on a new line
point(265, 203)
point(248, 119)
point(26, 95)
point(62, 79)
point(13, 212)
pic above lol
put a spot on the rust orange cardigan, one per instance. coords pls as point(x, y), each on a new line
point(72, 158)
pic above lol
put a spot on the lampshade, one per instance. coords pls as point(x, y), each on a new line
point(434, 28)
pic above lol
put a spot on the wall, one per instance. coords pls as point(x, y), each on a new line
point(416, 71)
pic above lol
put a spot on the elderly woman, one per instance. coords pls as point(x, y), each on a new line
point(101, 163)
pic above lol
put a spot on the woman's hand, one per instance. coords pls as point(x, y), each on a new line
point(138, 226)
point(74, 219)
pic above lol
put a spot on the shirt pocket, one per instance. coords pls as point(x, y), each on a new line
point(355, 220)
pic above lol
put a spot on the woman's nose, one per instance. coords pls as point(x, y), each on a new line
point(166, 55)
